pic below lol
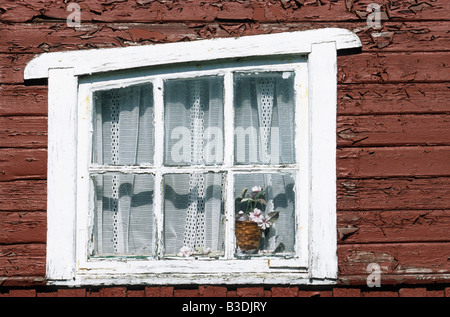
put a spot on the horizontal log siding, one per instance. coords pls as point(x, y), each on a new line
point(393, 131)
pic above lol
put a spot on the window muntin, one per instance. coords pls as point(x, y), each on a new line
point(185, 130)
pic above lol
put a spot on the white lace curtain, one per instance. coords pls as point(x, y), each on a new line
point(193, 127)
point(124, 135)
point(264, 123)
point(193, 121)
point(193, 211)
point(264, 118)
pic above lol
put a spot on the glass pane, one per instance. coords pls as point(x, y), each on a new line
point(123, 126)
point(265, 213)
point(193, 118)
point(264, 118)
point(193, 215)
point(123, 217)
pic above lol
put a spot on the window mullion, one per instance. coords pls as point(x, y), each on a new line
point(158, 93)
point(228, 163)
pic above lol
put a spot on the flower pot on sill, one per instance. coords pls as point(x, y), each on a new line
point(248, 235)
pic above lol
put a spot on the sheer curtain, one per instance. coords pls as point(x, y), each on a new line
point(193, 121)
point(280, 196)
point(193, 136)
point(264, 118)
point(193, 124)
point(264, 134)
point(123, 135)
point(193, 214)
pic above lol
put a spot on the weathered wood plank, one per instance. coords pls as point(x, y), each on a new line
point(396, 258)
point(12, 67)
point(22, 164)
point(397, 130)
point(394, 280)
point(411, 36)
point(29, 132)
point(393, 67)
point(393, 161)
point(22, 260)
point(23, 227)
point(20, 100)
point(57, 36)
point(210, 10)
point(398, 98)
point(393, 194)
point(412, 10)
point(393, 226)
point(407, 36)
point(24, 195)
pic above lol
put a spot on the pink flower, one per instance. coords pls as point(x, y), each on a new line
point(185, 251)
point(256, 189)
point(264, 224)
point(256, 215)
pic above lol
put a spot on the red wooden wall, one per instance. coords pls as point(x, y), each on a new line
point(393, 131)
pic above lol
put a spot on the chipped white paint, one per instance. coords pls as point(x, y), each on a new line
point(322, 217)
point(103, 60)
point(312, 55)
point(61, 174)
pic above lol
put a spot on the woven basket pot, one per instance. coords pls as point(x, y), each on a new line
point(248, 235)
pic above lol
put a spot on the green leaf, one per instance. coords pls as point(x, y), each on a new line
point(258, 195)
point(244, 191)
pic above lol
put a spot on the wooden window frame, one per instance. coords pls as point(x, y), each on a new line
point(72, 76)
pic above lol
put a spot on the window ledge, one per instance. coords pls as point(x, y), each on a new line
point(199, 279)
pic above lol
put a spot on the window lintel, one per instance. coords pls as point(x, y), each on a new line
point(86, 62)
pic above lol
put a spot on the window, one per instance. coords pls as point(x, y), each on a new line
point(204, 162)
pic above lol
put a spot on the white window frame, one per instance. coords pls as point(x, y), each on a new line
point(70, 85)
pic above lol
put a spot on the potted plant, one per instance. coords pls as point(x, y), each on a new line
point(251, 220)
